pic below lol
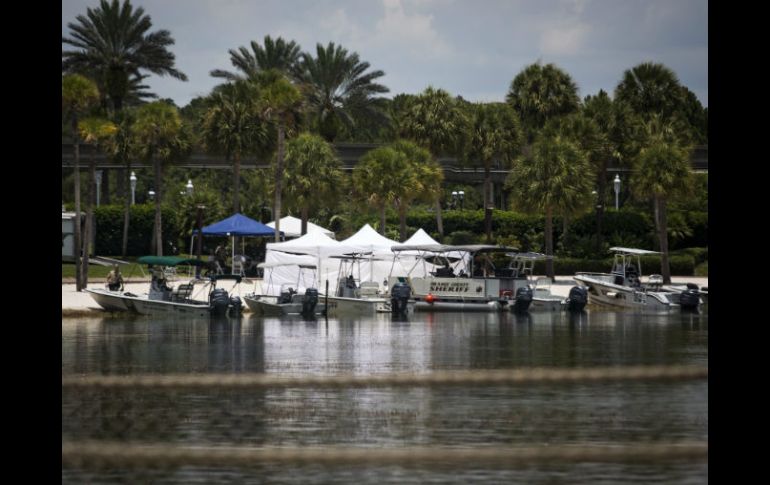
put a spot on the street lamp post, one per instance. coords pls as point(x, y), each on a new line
point(98, 186)
point(617, 189)
point(461, 194)
point(132, 179)
point(454, 199)
point(189, 187)
point(151, 194)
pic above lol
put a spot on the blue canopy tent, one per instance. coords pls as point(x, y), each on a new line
point(237, 225)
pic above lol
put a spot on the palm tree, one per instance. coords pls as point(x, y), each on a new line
point(157, 126)
point(77, 95)
point(662, 171)
point(539, 93)
point(554, 178)
point(93, 131)
point(278, 103)
point(339, 89)
point(113, 44)
point(495, 136)
point(435, 121)
point(313, 173)
point(379, 177)
point(651, 88)
point(276, 54)
point(232, 126)
point(421, 181)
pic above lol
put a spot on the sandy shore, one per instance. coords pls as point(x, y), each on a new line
point(75, 303)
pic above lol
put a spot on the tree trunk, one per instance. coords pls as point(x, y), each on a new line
point(78, 245)
point(439, 221)
point(278, 182)
point(90, 229)
point(602, 187)
point(127, 213)
point(663, 235)
point(487, 202)
point(304, 216)
point(402, 223)
point(236, 183)
point(158, 222)
point(549, 242)
point(382, 219)
point(106, 186)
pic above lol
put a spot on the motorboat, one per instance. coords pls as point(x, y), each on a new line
point(624, 286)
point(291, 298)
point(354, 297)
point(463, 278)
point(163, 299)
point(542, 297)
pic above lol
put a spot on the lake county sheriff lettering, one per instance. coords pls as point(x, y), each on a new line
point(452, 287)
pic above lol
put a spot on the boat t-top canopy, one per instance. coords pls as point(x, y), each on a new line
point(632, 251)
point(445, 248)
point(169, 261)
point(529, 256)
point(281, 264)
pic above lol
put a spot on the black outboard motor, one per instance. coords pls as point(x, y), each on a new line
point(309, 302)
point(689, 299)
point(218, 302)
point(399, 298)
point(577, 299)
point(236, 307)
point(522, 300)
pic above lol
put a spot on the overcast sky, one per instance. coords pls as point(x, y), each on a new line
point(471, 48)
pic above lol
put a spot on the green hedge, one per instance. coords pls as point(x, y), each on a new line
point(109, 229)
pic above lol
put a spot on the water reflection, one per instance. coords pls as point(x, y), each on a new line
point(588, 413)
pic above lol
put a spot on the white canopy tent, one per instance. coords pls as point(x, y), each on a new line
point(316, 244)
point(419, 238)
point(291, 227)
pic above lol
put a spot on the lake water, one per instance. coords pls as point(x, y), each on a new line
point(593, 414)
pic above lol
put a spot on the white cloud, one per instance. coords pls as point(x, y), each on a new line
point(564, 39)
point(411, 33)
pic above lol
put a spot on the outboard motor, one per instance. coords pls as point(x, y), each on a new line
point(309, 302)
point(218, 302)
point(236, 307)
point(577, 299)
point(399, 298)
point(689, 299)
point(522, 300)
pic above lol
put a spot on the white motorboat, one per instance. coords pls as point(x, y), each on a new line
point(624, 286)
point(162, 299)
point(472, 278)
point(291, 299)
point(542, 297)
point(354, 297)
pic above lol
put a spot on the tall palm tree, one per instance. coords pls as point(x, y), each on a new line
point(93, 131)
point(278, 103)
point(539, 93)
point(78, 94)
point(555, 179)
point(379, 177)
point(313, 173)
point(662, 171)
point(232, 125)
point(495, 136)
point(113, 43)
point(339, 89)
point(421, 181)
point(651, 88)
point(434, 120)
point(156, 127)
point(276, 54)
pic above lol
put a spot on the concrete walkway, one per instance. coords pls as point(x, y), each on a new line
point(75, 303)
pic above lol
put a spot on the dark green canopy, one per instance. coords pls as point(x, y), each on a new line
point(169, 261)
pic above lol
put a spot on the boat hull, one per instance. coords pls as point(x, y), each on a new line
point(268, 306)
point(339, 306)
point(112, 301)
point(604, 293)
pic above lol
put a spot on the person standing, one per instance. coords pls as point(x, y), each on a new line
point(115, 279)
